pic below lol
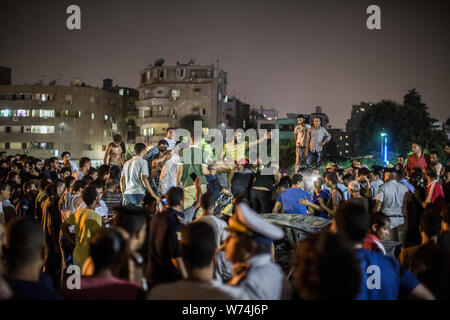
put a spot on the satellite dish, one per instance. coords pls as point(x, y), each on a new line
point(159, 62)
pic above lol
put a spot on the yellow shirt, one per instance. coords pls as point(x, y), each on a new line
point(234, 152)
point(86, 222)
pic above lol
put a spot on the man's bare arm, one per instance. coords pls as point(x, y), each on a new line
point(107, 152)
point(144, 180)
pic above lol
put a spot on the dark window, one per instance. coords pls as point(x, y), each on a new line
point(49, 146)
point(143, 77)
point(8, 129)
point(24, 144)
point(6, 145)
point(204, 111)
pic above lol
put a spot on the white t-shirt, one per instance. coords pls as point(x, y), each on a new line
point(78, 174)
point(132, 171)
point(168, 177)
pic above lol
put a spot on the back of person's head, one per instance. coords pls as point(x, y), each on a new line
point(65, 153)
point(103, 170)
point(89, 195)
point(11, 176)
point(352, 220)
point(114, 173)
point(430, 173)
point(364, 171)
point(98, 183)
point(24, 243)
point(110, 185)
point(430, 223)
point(400, 174)
point(285, 182)
point(297, 179)
point(87, 178)
point(139, 147)
point(331, 176)
point(197, 245)
point(69, 181)
point(347, 178)
point(131, 219)
point(4, 185)
point(163, 143)
point(91, 171)
point(50, 190)
point(27, 186)
point(354, 186)
point(174, 196)
point(106, 248)
point(64, 170)
point(207, 201)
point(78, 185)
point(327, 267)
point(84, 161)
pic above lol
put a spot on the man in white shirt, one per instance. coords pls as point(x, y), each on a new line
point(85, 165)
point(170, 133)
point(134, 179)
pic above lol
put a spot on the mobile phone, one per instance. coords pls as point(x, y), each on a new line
point(193, 176)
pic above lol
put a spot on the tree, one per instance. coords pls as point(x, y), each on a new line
point(404, 124)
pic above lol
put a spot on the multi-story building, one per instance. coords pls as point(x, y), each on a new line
point(340, 143)
point(237, 113)
point(352, 125)
point(169, 93)
point(130, 96)
point(45, 120)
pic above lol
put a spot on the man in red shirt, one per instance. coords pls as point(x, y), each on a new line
point(435, 194)
point(417, 159)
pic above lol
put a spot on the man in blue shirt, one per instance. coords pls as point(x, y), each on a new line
point(383, 278)
point(289, 199)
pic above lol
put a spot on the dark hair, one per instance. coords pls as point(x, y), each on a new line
point(332, 177)
point(364, 171)
point(417, 143)
point(352, 219)
point(327, 267)
point(104, 169)
point(400, 173)
point(139, 147)
point(430, 223)
point(348, 177)
point(50, 190)
point(163, 142)
point(300, 116)
point(434, 152)
point(79, 184)
point(65, 153)
point(52, 159)
point(89, 195)
point(117, 138)
point(11, 176)
point(174, 196)
point(4, 185)
point(69, 181)
point(114, 173)
point(98, 183)
point(87, 178)
point(197, 245)
point(84, 161)
point(401, 156)
point(65, 169)
point(430, 172)
point(59, 182)
point(106, 246)
point(207, 201)
point(43, 183)
point(378, 173)
point(169, 128)
point(110, 185)
point(297, 178)
point(285, 182)
point(25, 243)
point(92, 170)
point(130, 218)
point(27, 186)
point(379, 219)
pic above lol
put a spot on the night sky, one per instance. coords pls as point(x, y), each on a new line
point(290, 55)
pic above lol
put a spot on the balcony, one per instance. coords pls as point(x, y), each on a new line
point(148, 102)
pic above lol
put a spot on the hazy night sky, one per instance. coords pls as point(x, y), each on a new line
point(290, 55)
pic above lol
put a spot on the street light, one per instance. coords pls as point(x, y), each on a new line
point(384, 148)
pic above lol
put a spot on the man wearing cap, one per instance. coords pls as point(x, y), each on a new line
point(301, 137)
point(249, 248)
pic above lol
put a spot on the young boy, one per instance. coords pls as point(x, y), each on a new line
point(378, 230)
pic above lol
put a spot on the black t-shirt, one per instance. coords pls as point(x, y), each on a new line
point(241, 183)
point(264, 180)
point(26, 290)
point(165, 231)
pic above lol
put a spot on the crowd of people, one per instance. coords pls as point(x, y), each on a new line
point(162, 225)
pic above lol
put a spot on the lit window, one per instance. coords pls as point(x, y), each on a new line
point(92, 116)
point(92, 99)
point(121, 92)
point(43, 129)
point(114, 126)
point(5, 113)
point(79, 114)
point(69, 98)
point(106, 117)
point(362, 109)
point(41, 113)
point(23, 113)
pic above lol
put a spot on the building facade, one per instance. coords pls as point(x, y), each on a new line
point(45, 120)
point(169, 93)
point(237, 113)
